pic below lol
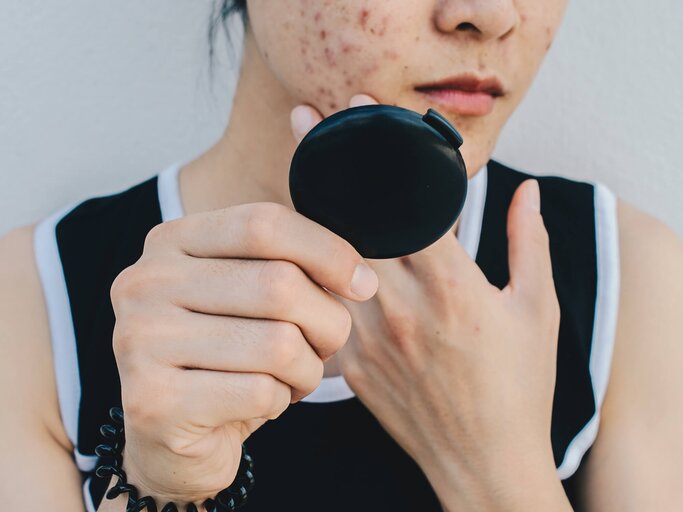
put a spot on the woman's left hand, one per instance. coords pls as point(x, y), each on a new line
point(460, 373)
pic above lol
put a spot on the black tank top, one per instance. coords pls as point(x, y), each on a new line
point(328, 452)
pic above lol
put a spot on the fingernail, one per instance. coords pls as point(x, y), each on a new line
point(364, 281)
point(533, 196)
point(301, 120)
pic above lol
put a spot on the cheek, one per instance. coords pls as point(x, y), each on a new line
point(333, 51)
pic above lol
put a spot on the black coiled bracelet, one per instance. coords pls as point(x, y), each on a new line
point(110, 459)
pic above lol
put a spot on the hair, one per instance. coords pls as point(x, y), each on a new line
point(221, 11)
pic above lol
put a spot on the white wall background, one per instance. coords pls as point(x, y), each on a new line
point(95, 96)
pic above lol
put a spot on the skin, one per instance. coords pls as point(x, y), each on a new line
point(306, 57)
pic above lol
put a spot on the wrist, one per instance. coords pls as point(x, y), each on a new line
point(138, 478)
point(142, 494)
point(510, 484)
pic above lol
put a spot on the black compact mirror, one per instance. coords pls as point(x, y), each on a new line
point(388, 180)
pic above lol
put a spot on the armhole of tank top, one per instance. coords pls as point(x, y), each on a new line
point(62, 336)
point(604, 322)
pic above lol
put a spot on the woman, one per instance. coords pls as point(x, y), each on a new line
point(525, 361)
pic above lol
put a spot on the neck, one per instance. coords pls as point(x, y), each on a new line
point(250, 162)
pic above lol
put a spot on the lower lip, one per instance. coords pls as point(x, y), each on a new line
point(462, 102)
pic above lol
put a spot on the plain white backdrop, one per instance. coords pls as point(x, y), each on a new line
point(96, 96)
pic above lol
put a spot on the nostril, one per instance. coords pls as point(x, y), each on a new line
point(467, 26)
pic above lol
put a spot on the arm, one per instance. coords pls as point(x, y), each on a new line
point(636, 460)
point(37, 471)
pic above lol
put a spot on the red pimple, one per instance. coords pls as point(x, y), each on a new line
point(317, 17)
point(363, 17)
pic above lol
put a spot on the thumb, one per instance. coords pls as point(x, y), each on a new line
point(528, 246)
point(302, 119)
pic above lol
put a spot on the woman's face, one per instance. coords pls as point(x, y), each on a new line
point(324, 51)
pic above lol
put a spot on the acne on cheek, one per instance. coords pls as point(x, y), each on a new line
point(365, 22)
point(320, 48)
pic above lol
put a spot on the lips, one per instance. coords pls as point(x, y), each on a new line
point(464, 94)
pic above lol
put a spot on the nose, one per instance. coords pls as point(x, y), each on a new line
point(478, 19)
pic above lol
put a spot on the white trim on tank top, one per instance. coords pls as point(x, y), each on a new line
point(334, 389)
point(604, 321)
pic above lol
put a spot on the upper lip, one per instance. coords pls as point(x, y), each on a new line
point(467, 82)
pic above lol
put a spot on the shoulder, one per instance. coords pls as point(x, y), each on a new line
point(27, 380)
point(651, 293)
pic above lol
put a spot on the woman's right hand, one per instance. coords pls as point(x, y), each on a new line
point(220, 325)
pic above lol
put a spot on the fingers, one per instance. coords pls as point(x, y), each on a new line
point(446, 259)
point(270, 289)
point(211, 399)
point(233, 344)
point(274, 232)
point(528, 246)
point(304, 117)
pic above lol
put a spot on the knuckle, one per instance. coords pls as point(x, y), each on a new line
point(401, 325)
point(279, 282)
point(317, 372)
point(262, 394)
point(142, 280)
point(343, 331)
point(126, 335)
point(282, 397)
point(259, 223)
point(141, 411)
point(133, 282)
point(160, 234)
point(121, 284)
point(283, 344)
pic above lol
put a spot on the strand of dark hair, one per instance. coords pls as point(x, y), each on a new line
point(221, 11)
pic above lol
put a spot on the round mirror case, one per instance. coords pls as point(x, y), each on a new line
point(388, 180)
